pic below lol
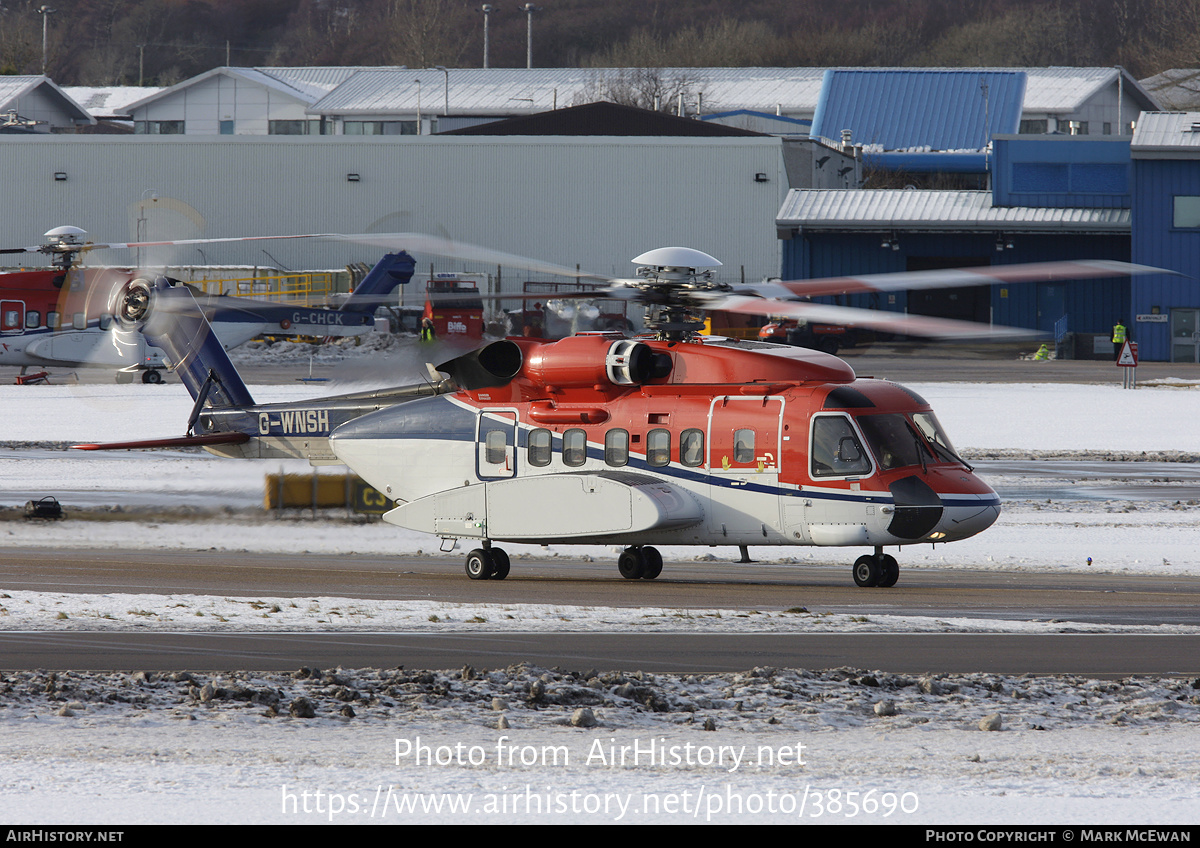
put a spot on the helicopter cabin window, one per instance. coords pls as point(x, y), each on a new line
point(743, 446)
point(691, 448)
point(52, 320)
point(540, 444)
point(836, 450)
point(33, 319)
point(10, 319)
point(79, 321)
point(658, 448)
point(105, 321)
point(616, 447)
point(574, 449)
point(496, 447)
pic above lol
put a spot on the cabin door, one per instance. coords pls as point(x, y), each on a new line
point(743, 460)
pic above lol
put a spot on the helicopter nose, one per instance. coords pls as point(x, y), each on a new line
point(965, 520)
point(961, 505)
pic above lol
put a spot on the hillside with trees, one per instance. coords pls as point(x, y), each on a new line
point(161, 42)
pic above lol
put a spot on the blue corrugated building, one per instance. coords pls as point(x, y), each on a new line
point(1051, 197)
point(1166, 234)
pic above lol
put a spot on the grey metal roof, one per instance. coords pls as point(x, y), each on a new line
point(12, 88)
point(316, 82)
point(908, 209)
point(1166, 134)
point(502, 91)
point(792, 92)
point(104, 101)
point(304, 94)
point(1176, 88)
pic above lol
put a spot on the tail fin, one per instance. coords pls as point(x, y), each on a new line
point(394, 269)
point(170, 320)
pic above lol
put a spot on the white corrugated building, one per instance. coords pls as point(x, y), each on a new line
point(591, 201)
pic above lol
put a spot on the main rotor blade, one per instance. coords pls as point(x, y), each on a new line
point(876, 319)
point(984, 275)
point(413, 242)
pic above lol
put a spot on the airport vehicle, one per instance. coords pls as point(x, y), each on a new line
point(670, 439)
point(55, 316)
point(796, 331)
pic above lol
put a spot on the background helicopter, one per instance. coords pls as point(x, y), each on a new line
point(60, 316)
point(673, 438)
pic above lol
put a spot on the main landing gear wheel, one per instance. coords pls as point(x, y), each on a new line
point(151, 377)
point(876, 570)
point(487, 564)
point(640, 563)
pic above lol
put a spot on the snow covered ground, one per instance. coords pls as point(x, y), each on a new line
point(500, 745)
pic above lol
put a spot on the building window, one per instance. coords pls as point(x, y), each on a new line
point(1187, 213)
point(1077, 127)
point(158, 127)
point(1034, 127)
point(226, 128)
point(294, 128)
point(379, 127)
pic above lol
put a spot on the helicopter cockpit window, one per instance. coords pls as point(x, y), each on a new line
point(743, 446)
point(894, 441)
point(574, 448)
point(658, 448)
point(616, 447)
point(691, 448)
point(836, 450)
point(935, 435)
point(540, 443)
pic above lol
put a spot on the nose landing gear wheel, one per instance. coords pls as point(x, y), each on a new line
point(866, 571)
point(876, 570)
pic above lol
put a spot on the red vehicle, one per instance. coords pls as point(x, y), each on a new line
point(828, 338)
point(454, 305)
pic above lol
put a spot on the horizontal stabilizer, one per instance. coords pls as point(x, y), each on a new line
point(177, 442)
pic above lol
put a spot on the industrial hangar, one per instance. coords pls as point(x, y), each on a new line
point(1042, 160)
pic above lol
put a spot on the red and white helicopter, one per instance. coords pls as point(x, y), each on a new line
point(60, 316)
point(669, 439)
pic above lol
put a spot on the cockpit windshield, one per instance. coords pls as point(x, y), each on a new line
point(898, 441)
point(894, 441)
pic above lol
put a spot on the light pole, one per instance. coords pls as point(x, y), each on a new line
point(529, 10)
point(446, 105)
point(419, 107)
point(487, 10)
point(45, 12)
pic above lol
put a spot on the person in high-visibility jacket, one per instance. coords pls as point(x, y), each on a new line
point(1118, 339)
point(1043, 353)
